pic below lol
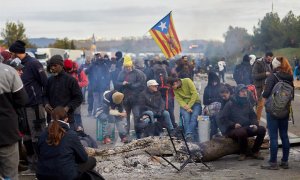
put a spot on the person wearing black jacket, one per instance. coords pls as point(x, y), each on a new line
point(62, 90)
point(211, 91)
point(151, 103)
point(243, 72)
point(99, 80)
point(113, 112)
point(12, 96)
point(283, 71)
point(130, 82)
point(61, 156)
point(241, 123)
point(211, 95)
point(35, 81)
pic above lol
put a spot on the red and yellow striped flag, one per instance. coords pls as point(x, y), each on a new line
point(165, 36)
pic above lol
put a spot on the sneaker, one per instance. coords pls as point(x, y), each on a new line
point(28, 172)
point(258, 156)
point(22, 167)
point(270, 166)
point(242, 157)
point(284, 165)
point(106, 140)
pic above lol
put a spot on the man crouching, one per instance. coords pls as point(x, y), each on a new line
point(241, 122)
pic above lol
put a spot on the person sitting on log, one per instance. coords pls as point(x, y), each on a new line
point(152, 104)
point(241, 122)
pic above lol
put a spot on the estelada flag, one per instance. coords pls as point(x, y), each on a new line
point(165, 36)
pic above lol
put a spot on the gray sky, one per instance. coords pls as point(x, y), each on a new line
point(194, 19)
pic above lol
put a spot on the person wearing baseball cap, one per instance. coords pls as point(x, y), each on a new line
point(16, 63)
point(152, 104)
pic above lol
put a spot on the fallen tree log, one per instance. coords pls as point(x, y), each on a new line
point(210, 150)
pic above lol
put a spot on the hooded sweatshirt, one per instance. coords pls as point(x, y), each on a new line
point(211, 91)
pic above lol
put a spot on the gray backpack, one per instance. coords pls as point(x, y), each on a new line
point(279, 102)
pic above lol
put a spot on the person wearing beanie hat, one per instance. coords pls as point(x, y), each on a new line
point(62, 90)
point(240, 123)
point(117, 97)
point(243, 72)
point(127, 61)
point(119, 55)
point(35, 82)
point(252, 59)
point(132, 82)
point(276, 63)
point(56, 60)
point(18, 47)
point(68, 64)
point(282, 72)
point(112, 112)
point(5, 56)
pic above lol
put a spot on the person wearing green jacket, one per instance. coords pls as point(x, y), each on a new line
point(190, 105)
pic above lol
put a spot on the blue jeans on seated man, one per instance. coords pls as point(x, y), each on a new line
point(190, 120)
point(273, 126)
point(165, 116)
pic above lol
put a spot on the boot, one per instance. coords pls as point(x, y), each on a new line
point(270, 166)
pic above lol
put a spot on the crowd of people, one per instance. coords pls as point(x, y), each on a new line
point(41, 109)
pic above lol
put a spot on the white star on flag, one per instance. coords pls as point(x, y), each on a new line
point(162, 26)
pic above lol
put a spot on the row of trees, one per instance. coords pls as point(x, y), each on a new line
point(16, 31)
point(270, 33)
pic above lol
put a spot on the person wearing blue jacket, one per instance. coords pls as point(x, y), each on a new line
point(61, 156)
point(99, 80)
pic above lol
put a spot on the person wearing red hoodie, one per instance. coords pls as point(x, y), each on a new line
point(72, 68)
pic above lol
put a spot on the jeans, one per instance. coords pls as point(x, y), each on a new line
point(213, 126)
point(83, 90)
point(222, 76)
point(165, 116)
point(273, 126)
point(120, 124)
point(9, 160)
point(90, 99)
point(77, 117)
point(190, 119)
point(98, 98)
point(171, 111)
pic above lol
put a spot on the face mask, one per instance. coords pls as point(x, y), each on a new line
point(242, 100)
